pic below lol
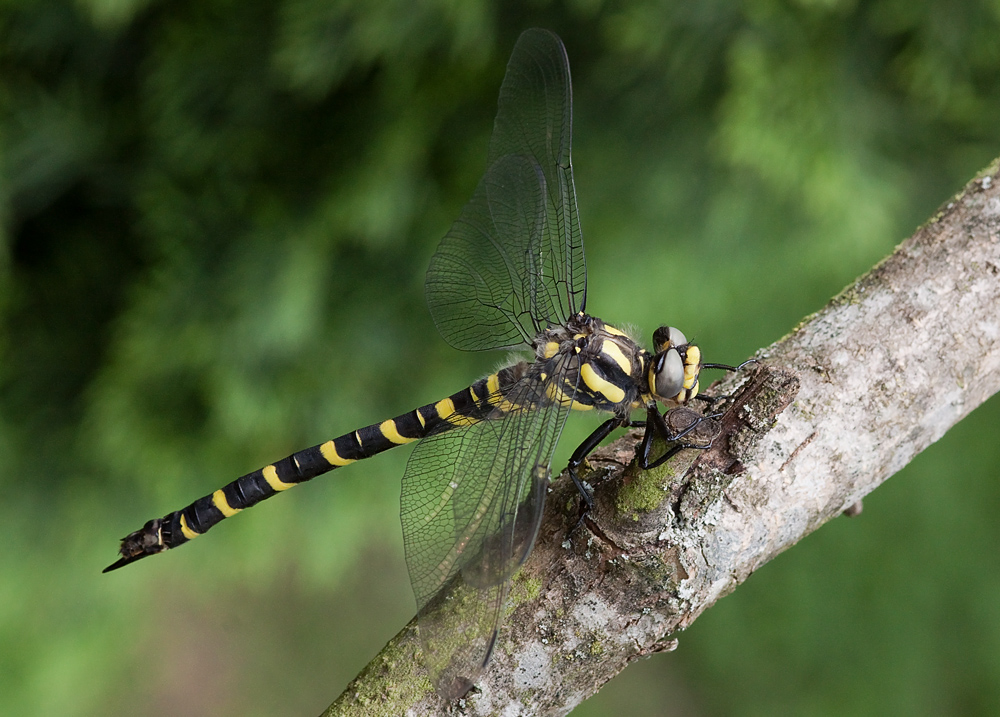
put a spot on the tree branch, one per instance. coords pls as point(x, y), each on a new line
point(837, 406)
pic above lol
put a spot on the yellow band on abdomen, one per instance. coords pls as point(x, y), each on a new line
point(187, 531)
point(220, 502)
point(330, 455)
point(271, 476)
point(493, 388)
point(390, 431)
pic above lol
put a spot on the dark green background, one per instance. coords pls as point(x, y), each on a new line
point(214, 223)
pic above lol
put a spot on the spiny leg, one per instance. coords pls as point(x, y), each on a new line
point(712, 400)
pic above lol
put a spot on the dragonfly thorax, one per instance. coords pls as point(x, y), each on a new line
point(590, 364)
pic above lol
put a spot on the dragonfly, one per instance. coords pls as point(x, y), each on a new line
point(510, 274)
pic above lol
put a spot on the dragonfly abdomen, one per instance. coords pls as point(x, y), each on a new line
point(463, 408)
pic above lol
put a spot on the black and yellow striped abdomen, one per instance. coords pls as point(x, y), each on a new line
point(470, 405)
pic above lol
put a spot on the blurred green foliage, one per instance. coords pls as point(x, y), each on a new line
point(214, 223)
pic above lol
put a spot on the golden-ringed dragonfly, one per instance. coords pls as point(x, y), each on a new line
point(509, 274)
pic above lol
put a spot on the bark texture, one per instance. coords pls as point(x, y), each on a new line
point(834, 408)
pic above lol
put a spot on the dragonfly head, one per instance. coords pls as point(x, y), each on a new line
point(673, 372)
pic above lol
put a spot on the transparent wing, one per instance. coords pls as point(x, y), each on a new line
point(472, 501)
point(513, 262)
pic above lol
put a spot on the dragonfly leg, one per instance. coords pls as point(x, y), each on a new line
point(712, 400)
point(580, 455)
point(656, 424)
point(727, 367)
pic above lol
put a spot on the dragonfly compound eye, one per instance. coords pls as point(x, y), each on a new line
point(666, 374)
point(667, 337)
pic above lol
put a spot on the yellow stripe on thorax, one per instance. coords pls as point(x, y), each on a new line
point(220, 502)
point(614, 352)
point(612, 330)
point(186, 530)
point(390, 431)
point(330, 455)
point(595, 383)
point(271, 476)
point(557, 395)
